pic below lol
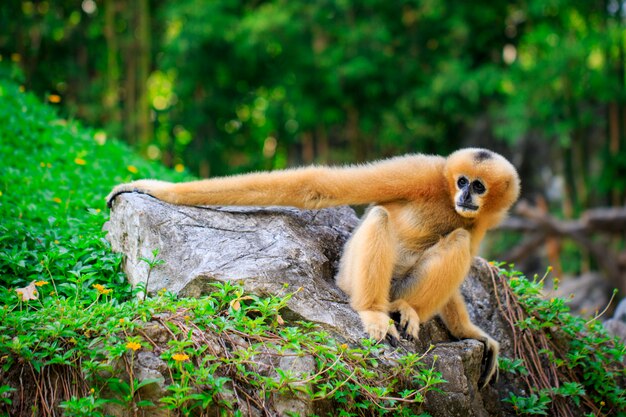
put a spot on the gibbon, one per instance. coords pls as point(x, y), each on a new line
point(415, 243)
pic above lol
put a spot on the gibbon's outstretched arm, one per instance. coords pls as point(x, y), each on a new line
point(314, 187)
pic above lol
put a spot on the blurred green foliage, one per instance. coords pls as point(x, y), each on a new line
point(53, 180)
point(225, 86)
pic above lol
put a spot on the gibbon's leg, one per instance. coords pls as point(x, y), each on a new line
point(439, 274)
point(365, 273)
point(456, 318)
point(436, 277)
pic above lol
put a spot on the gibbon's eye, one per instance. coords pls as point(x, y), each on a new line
point(478, 187)
point(462, 182)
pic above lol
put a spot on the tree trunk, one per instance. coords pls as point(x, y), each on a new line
point(111, 99)
point(130, 81)
point(144, 46)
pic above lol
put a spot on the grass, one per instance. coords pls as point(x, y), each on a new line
point(53, 180)
point(73, 332)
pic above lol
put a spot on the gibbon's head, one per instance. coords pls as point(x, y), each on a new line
point(481, 182)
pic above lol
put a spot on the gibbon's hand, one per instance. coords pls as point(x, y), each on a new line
point(148, 187)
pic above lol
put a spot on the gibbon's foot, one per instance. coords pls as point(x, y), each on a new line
point(489, 362)
point(410, 323)
point(379, 326)
point(409, 319)
point(141, 187)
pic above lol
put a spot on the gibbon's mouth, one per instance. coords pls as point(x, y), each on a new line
point(467, 206)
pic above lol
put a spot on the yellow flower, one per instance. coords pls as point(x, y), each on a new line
point(92, 390)
point(132, 169)
point(57, 200)
point(179, 167)
point(41, 283)
point(80, 161)
point(121, 321)
point(102, 289)
point(180, 357)
point(100, 138)
point(54, 98)
point(133, 345)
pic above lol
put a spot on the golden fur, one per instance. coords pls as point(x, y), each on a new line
point(414, 245)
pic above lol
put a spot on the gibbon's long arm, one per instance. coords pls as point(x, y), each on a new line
point(401, 178)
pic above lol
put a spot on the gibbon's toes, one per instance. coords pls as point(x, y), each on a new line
point(379, 325)
point(410, 323)
point(490, 362)
point(407, 336)
point(411, 331)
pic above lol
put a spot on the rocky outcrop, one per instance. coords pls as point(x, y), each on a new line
point(267, 249)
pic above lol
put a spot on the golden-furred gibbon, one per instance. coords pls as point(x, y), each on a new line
point(415, 243)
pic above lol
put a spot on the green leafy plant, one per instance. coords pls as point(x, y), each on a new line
point(566, 362)
point(152, 263)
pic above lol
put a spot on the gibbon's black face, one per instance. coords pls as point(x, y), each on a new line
point(469, 195)
point(480, 182)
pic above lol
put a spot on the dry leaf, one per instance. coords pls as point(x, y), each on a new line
point(236, 303)
point(29, 292)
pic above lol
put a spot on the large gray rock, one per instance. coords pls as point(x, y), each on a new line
point(266, 248)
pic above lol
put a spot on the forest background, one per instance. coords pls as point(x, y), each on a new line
point(225, 86)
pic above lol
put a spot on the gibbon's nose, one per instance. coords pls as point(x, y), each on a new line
point(466, 196)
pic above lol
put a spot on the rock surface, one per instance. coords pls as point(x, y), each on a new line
point(268, 248)
point(616, 325)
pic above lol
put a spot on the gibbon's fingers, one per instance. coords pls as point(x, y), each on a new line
point(152, 188)
point(490, 362)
